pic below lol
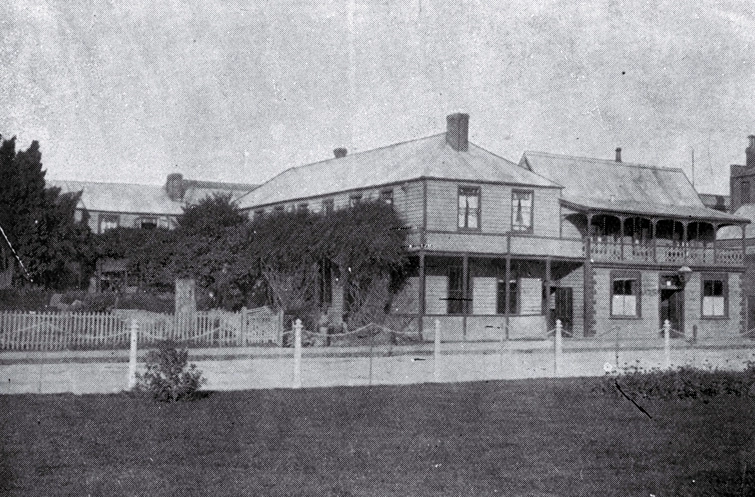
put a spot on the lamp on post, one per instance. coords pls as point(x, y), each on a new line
point(684, 273)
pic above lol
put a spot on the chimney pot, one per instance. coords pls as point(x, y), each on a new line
point(174, 186)
point(340, 152)
point(618, 154)
point(457, 131)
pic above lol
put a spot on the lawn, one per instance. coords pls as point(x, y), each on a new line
point(529, 437)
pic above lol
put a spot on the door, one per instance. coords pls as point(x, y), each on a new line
point(562, 307)
point(672, 308)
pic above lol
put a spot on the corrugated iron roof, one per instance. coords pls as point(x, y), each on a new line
point(144, 199)
point(429, 157)
point(623, 187)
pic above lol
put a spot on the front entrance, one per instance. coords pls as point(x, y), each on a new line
point(562, 308)
point(672, 305)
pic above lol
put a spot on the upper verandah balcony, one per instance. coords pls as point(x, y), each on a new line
point(621, 237)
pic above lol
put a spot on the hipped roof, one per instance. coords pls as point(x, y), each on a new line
point(605, 185)
point(144, 199)
point(430, 157)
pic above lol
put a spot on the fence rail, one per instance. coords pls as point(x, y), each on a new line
point(92, 331)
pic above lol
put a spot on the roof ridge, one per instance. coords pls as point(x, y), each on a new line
point(320, 162)
point(100, 182)
point(607, 161)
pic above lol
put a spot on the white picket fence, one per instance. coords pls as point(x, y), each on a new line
point(91, 331)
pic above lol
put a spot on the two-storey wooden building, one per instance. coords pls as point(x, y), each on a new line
point(503, 249)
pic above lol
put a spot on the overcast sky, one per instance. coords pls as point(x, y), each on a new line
point(239, 91)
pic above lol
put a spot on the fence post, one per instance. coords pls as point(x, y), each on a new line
point(558, 345)
point(242, 331)
point(297, 353)
point(436, 352)
point(132, 355)
point(667, 344)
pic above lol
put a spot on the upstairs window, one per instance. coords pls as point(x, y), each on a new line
point(625, 295)
point(146, 223)
point(386, 196)
point(469, 207)
point(328, 206)
point(521, 211)
point(108, 222)
point(714, 296)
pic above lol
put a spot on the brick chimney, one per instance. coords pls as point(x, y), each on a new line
point(618, 154)
point(174, 186)
point(750, 152)
point(340, 152)
point(457, 131)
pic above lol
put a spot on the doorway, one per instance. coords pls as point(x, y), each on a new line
point(562, 308)
point(672, 307)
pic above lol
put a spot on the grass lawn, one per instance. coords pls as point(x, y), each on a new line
point(530, 437)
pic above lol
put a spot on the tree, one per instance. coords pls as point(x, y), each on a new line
point(366, 244)
point(39, 222)
point(213, 247)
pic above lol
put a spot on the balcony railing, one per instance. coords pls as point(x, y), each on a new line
point(669, 253)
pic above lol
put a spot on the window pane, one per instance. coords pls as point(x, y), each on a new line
point(707, 306)
point(630, 305)
point(718, 306)
point(472, 202)
point(707, 288)
point(472, 219)
point(513, 296)
point(718, 288)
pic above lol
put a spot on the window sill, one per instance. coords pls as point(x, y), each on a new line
point(468, 230)
point(715, 318)
point(626, 317)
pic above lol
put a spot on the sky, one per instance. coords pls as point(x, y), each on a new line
point(241, 90)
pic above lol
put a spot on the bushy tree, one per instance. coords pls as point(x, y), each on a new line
point(366, 244)
point(39, 223)
point(149, 252)
point(213, 247)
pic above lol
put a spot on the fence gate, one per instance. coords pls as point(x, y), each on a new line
point(261, 325)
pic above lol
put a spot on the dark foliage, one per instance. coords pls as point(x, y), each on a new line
point(39, 223)
point(684, 382)
point(364, 244)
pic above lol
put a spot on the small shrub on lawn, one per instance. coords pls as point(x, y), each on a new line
point(685, 382)
point(168, 378)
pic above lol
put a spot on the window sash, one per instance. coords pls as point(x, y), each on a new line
point(469, 207)
point(714, 297)
point(521, 210)
point(625, 296)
